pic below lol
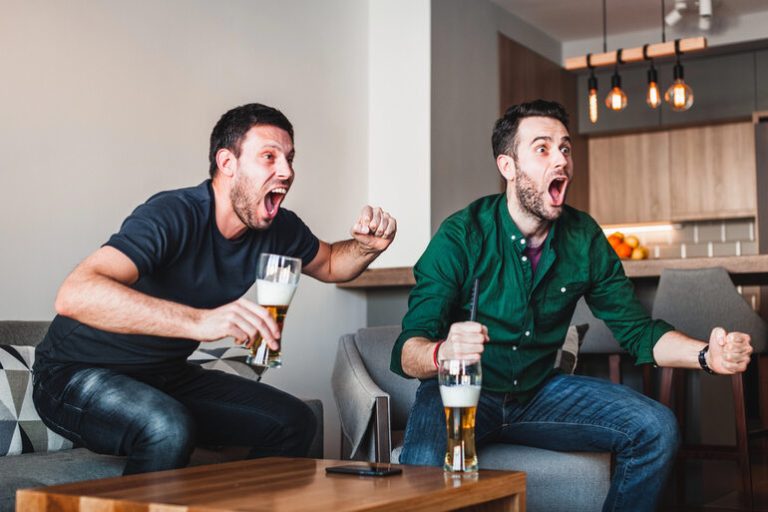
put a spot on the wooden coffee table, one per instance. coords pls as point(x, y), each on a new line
point(281, 484)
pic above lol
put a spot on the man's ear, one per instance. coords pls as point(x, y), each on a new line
point(506, 165)
point(226, 162)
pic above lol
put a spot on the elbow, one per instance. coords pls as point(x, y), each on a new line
point(64, 305)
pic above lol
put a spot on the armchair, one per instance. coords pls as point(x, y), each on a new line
point(374, 404)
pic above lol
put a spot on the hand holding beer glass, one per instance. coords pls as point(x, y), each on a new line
point(460, 383)
point(277, 277)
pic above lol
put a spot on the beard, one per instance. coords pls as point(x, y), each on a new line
point(531, 200)
point(242, 200)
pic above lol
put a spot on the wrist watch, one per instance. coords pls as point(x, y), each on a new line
point(703, 360)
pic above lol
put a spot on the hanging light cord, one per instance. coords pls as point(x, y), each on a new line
point(663, 24)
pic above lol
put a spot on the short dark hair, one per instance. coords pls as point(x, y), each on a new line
point(230, 131)
point(505, 129)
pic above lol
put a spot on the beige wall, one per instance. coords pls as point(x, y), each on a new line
point(103, 103)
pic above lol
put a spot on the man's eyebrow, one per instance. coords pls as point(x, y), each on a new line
point(546, 138)
point(566, 139)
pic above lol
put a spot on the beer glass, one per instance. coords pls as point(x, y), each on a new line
point(276, 279)
point(460, 390)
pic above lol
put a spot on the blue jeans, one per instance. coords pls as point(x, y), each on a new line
point(569, 413)
point(158, 419)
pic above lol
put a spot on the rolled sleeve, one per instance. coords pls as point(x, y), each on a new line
point(612, 299)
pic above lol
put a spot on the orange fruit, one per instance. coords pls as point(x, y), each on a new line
point(615, 239)
point(631, 241)
point(623, 250)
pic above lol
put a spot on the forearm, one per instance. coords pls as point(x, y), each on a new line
point(675, 349)
point(418, 358)
point(347, 260)
point(104, 303)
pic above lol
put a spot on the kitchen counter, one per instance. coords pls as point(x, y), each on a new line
point(743, 270)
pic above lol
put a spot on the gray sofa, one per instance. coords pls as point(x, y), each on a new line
point(41, 468)
point(374, 404)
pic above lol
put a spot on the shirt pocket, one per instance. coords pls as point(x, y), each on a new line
point(558, 301)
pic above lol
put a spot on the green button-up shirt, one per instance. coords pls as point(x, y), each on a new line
point(527, 314)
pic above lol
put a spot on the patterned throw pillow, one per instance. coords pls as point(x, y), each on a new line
point(21, 429)
point(229, 358)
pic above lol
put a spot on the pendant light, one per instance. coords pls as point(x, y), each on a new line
point(616, 99)
point(679, 96)
point(592, 86)
point(653, 96)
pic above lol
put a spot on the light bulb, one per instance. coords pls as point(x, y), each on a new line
point(653, 97)
point(592, 83)
point(616, 99)
point(679, 96)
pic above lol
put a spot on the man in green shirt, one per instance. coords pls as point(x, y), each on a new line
point(534, 258)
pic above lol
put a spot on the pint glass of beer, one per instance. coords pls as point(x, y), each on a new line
point(276, 280)
point(460, 390)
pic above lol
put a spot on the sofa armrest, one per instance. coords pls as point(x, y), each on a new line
point(362, 404)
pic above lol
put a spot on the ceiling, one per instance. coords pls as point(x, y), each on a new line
point(568, 20)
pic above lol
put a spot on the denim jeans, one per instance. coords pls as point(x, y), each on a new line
point(569, 413)
point(158, 419)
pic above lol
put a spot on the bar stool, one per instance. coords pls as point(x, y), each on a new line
point(695, 301)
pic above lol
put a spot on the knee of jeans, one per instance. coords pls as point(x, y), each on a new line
point(172, 428)
point(661, 429)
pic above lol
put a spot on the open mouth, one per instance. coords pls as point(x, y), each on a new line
point(557, 189)
point(273, 199)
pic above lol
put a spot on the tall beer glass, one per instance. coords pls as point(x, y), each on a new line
point(276, 280)
point(460, 383)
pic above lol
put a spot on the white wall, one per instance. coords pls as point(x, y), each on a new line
point(399, 127)
point(104, 103)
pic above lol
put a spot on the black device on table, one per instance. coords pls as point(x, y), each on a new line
point(365, 469)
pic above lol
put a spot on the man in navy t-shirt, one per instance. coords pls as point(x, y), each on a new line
point(111, 374)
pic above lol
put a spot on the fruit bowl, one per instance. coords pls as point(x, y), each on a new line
point(627, 247)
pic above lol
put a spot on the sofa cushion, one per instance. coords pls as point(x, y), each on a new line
point(21, 429)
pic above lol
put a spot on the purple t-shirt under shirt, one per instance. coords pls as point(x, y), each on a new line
point(534, 255)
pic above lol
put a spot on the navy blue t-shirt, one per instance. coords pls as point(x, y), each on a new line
point(182, 257)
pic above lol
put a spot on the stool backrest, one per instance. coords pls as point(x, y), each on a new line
point(697, 300)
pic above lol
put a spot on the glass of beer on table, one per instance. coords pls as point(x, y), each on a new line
point(460, 383)
point(277, 277)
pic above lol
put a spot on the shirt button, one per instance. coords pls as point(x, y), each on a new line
point(522, 241)
point(525, 258)
point(514, 382)
point(513, 237)
point(527, 333)
point(562, 290)
point(514, 347)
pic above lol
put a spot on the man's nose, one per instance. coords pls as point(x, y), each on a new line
point(284, 169)
point(559, 159)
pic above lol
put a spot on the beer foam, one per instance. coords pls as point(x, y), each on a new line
point(274, 294)
point(460, 396)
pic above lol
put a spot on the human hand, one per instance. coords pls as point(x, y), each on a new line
point(728, 352)
point(243, 320)
point(464, 341)
point(374, 229)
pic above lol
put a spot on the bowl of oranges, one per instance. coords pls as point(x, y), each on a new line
point(627, 247)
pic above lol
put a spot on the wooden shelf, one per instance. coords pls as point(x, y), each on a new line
point(743, 269)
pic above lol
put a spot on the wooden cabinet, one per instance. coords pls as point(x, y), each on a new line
point(673, 175)
point(723, 88)
point(712, 171)
point(628, 178)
